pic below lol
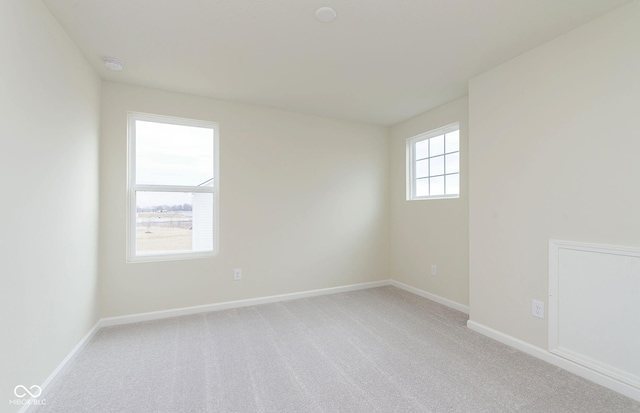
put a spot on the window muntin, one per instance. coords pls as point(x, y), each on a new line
point(173, 188)
point(433, 161)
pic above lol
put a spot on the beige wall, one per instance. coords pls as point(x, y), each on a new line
point(49, 125)
point(430, 232)
point(303, 205)
point(309, 202)
point(554, 153)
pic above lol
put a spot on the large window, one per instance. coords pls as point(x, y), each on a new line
point(173, 188)
point(433, 164)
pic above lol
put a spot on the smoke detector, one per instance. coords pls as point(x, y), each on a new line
point(113, 64)
point(326, 14)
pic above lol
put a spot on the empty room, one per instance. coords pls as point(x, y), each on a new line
point(320, 206)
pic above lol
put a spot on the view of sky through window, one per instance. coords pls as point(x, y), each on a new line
point(168, 154)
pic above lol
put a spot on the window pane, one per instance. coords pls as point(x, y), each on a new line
point(452, 162)
point(422, 149)
point(453, 184)
point(437, 166)
point(169, 154)
point(436, 145)
point(452, 141)
point(422, 168)
point(422, 187)
point(173, 222)
point(436, 185)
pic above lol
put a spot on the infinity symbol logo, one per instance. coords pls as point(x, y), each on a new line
point(37, 391)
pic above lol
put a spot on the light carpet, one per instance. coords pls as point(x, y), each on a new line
point(375, 350)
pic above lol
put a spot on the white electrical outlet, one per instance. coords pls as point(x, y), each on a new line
point(237, 274)
point(537, 309)
point(434, 270)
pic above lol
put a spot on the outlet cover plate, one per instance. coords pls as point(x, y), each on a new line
point(537, 309)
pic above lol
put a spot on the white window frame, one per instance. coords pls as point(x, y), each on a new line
point(132, 187)
point(411, 162)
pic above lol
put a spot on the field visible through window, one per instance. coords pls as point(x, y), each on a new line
point(165, 231)
point(173, 188)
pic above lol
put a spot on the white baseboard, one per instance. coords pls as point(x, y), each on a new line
point(430, 296)
point(563, 363)
point(156, 315)
point(63, 364)
point(577, 369)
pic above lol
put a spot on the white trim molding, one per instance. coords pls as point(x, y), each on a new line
point(430, 296)
point(561, 362)
point(156, 315)
point(494, 334)
point(411, 162)
point(63, 364)
point(133, 187)
point(558, 346)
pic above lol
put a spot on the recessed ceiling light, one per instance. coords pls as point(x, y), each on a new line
point(325, 14)
point(113, 64)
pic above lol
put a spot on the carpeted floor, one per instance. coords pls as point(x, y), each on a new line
point(376, 350)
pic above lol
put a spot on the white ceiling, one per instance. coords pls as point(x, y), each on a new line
point(380, 61)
